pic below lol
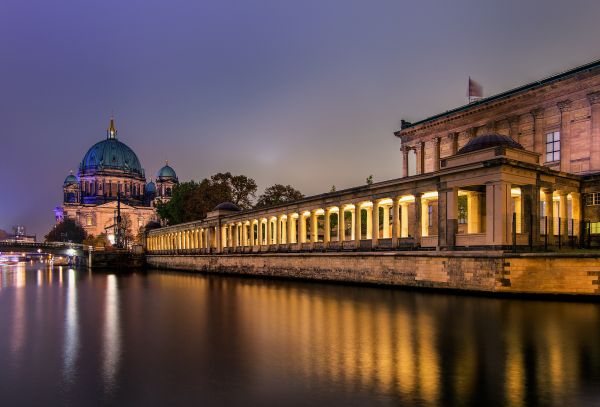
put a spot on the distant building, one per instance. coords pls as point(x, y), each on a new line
point(110, 169)
point(19, 236)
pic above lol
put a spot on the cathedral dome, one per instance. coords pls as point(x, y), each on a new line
point(166, 173)
point(111, 154)
point(487, 141)
point(71, 180)
point(150, 188)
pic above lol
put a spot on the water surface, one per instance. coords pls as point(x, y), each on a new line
point(72, 338)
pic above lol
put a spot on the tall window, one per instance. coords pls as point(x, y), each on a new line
point(553, 147)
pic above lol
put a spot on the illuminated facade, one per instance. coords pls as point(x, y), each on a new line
point(111, 170)
point(513, 170)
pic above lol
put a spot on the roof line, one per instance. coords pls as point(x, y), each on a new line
point(532, 85)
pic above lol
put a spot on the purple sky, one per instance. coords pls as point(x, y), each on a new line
point(306, 93)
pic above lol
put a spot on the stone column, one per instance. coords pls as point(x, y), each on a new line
point(341, 225)
point(374, 223)
point(293, 229)
point(395, 222)
point(404, 150)
point(369, 228)
point(498, 214)
point(386, 221)
point(436, 153)
point(447, 216)
point(302, 229)
point(549, 204)
point(594, 100)
point(260, 232)
point(269, 232)
point(564, 217)
point(538, 133)
point(218, 241)
point(530, 222)
point(513, 128)
point(314, 226)
point(565, 128)
point(353, 225)
point(420, 157)
point(454, 142)
point(278, 222)
point(418, 210)
point(327, 226)
point(357, 224)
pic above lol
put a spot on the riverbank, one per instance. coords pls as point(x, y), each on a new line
point(485, 271)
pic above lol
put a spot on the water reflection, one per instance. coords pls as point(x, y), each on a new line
point(165, 338)
point(71, 328)
point(111, 351)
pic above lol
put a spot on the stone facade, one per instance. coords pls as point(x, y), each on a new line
point(493, 272)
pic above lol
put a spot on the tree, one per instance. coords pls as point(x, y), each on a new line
point(66, 231)
point(97, 241)
point(192, 201)
point(3, 234)
point(243, 189)
point(278, 194)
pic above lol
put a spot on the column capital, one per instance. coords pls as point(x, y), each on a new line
point(437, 140)
point(593, 98)
point(537, 113)
point(547, 190)
point(512, 120)
point(564, 105)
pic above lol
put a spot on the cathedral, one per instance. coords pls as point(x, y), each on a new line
point(111, 172)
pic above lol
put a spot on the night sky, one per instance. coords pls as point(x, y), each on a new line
point(306, 93)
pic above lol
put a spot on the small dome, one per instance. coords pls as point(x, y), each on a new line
point(71, 180)
point(150, 188)
point(166, 173)
point(227, 206)
point(487, 141)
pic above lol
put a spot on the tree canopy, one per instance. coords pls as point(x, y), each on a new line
point(278, 194)
point(243, 189)
point(3, 234)
point(192, 200)
point(66, 231)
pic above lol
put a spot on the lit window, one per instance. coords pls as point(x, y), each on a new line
point(595, 228)
point(553, 147)
point(89, 220)
point(592, 199)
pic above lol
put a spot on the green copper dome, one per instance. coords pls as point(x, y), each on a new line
point(166, 173)
point(111, 154)
point(70, 180)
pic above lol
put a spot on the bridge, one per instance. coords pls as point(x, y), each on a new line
point(55, 248)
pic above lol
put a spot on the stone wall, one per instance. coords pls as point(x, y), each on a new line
point(474, 271)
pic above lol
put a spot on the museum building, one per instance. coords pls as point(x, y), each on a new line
point(516, 170)
point(111, 175)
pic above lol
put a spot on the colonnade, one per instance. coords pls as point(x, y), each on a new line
point(473, 216)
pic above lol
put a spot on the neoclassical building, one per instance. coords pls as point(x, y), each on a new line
point(515, 170)
point(111, 170)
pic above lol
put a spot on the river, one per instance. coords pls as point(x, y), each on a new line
point(72, 337)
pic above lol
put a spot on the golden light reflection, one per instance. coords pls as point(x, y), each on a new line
point(111, 351)
point(71, 334)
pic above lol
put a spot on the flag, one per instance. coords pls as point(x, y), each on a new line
point(475, 91)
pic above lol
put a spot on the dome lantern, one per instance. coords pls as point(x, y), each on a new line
point(111, 132)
